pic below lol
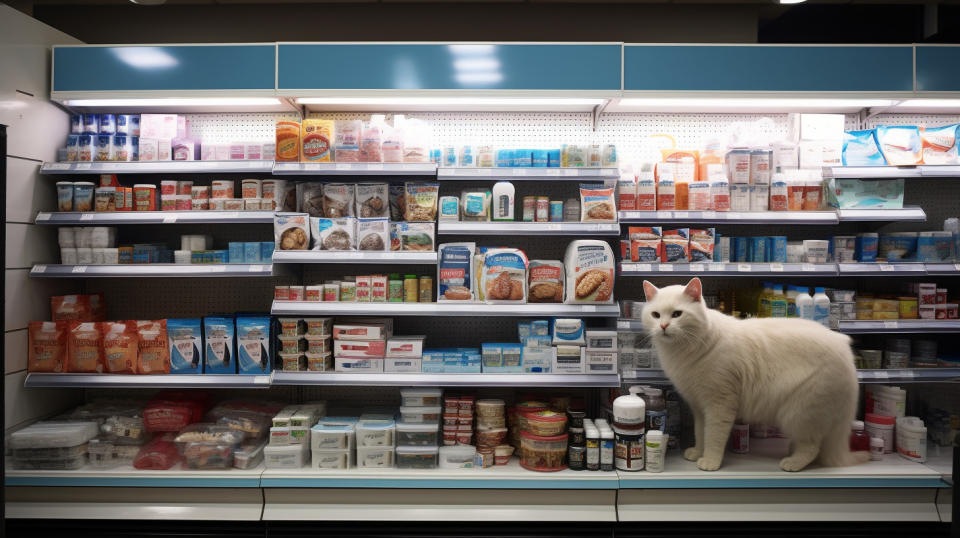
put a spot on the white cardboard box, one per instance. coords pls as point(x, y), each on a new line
point(568, 363)
point(820, 153)
point(601, 362)
point(602, 340)
point(401, 365)
point(373, 349)
point(359, 332)
point(364, 366)
point(815, 126)
point(405, 346)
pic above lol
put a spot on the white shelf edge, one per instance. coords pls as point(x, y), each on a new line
point(323, 256)
point(525, 173)
point(355, 169)
point(442, 308)
point(528, 228)
point(721, 217)
point(155, 217)
point(209, 381)
point(152, 270)
point(907, 214)
point(159, 167)
point(629, 269)
point(445, 380)
point(905, 326)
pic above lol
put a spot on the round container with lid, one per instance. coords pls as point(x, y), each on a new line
point(629, 412)
point(576, 418)
point(546, 422)
point(490, 408)
point(411, 289)
point(543, 453)
point(882, 427)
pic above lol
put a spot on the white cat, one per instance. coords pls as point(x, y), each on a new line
point(793, 373)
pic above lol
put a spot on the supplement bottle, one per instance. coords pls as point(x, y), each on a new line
point(859, 440)
point(821, 307)
point(804, 303)
point(763, 302)
point(656, 409)
point(791, 295)
point(593, 447)
point(606, 448)
point(629, 416)
point(778, 302)
point(654, 451)
point(411, 289)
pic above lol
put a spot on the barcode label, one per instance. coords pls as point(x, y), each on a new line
point(776, 267)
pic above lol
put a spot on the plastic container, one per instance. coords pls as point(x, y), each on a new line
point(375, 433)
point(332, 437)
point(70, 464)
point(490, 408)
point(881, 426)
point(543, 453)
point(286, 456)
point(491, 437)
point(457, 457)
point(502, 454)
point(248, 456)
point(859, 440)
point(421, 397)
point(375, 457)
point(53, 435)
point(418, 434)
point(417, 457)
point(876, 449)
point(546, 423)
point(332, 459)
point(655, 451)
point(912, 439)
point(421, 415)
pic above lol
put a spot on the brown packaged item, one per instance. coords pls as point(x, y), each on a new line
point(84, 348)
point(120, 346)
point(545, 281)
point(153, 352)
point(78, 307)
point(47, 346)
point(288, 141)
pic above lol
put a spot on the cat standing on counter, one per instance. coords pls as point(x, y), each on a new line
point(794, 373)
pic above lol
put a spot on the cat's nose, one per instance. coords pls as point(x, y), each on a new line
point(664, 327)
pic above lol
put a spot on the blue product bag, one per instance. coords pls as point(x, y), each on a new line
point(186, 340)
point(266, 251)
point(777, 251)
point(236, 252)
point(253, 345)
point(218, 351)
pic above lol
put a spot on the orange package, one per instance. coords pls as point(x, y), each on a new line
point(288, 141)
point(316, 141)
point(78, 307)
point(84, 348)
point(120, 346)
point(47, 345)
point(153, 355)
point(685, 172)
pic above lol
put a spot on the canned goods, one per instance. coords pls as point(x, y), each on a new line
point(740, 438)
point(529, 208)
point(297, 293)
point(281, 293)
point(543, 209)
point(556, 210)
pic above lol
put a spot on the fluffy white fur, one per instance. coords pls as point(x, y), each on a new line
point(793, 373)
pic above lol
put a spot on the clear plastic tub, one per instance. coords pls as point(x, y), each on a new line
point(332, 437)
point(207, 433)
point(375, 457)
point(457, 457)
point(208, 446)
point(106, 454)
point(286, 456)
point(546, 423)
point(319, 345)
point(124, 430)
point(490, 408)
point(420, 415)
point(543, 453)
point(417, 457)
point(491, 437)
point(248, 456)
point(421, 397)
point(53, 453)
point(319, 326)
point(375, 433)
point(51, 434)
point(332, 459)
point(415, 434)
point(69, 464)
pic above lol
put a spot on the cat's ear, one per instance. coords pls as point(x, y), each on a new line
point(694, 289)
point(649, 290)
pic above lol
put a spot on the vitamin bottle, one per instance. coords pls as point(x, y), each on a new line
point(791, 296)
point(606, 448)
point(593, 447)
point(654, 451)
point(859, 440)
point(821, 307)
point(804, 303)
point(778, 303)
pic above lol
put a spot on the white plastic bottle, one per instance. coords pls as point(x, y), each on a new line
point(804, 303)
point(821, 307)
point(655, 451)
point(503, 195)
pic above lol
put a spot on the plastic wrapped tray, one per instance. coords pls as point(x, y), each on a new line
point(53, 435)
point(68, 464)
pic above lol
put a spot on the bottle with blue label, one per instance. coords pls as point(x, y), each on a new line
point(821, 307)
point(778, 303)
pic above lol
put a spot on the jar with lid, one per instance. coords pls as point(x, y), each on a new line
point(606, 448)
point(411, 289)
point(426, 289)
point(629, 417)
point(571, 210)
point(395, 288)
point(859, 440)
point(656, 409)
point(593, 447)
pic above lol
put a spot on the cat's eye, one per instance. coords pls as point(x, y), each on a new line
point(676, 313)
point(656, 315)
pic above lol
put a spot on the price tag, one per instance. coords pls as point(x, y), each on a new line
point(57, 166)
point(170, 220)
point(663, 215)
point(261, 380)
point(665, 268)
point(881, 374)
point(254, 164)
point(890, 324)
point(554, 227)
point(642, 267)
point(589, 308)
point(256, 268)
point(43, 216)
point(86, 216)
point(716, 267)
point(343, 166)
point(553, 172)
point(217, 269)
point(697, 267)
point(734, 216)
point(519, 172)
point(909, 374)
point(623, 324)
point(956, 267)
point(349, 255)
point(39, 269)
point(886, 267)
point(79, 269)
point(709, 214)
point(744, 267)
point(571, 172)
point(230, 215)
point(84, 166)
point(680, 214)
point(374, 167)
point(485, 172)
point(776, 267)
point(808, 267)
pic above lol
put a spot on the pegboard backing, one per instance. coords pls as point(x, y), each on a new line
point(226, 128)
point(920, 120)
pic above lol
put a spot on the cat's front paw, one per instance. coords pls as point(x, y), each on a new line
point(793, 464)
point(692, 454)
point(709, 464)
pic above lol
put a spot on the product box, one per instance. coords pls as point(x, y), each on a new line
point(432, 361)
point(253, 345)
point(538, 360)
point(401, 365)
point(865, 194)
point(359, 332)
point(218, 349)
point(405, 346)
point(160, 126)
point(374, 349)
point(568, 331)
point(186, 341)
point(602, 340)
point(600, 362)
point(342, 364)
point(568, 360)
point(820, 153)
point(815, 127)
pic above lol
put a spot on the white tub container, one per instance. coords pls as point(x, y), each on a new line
point(421, 397)
point(375, 457)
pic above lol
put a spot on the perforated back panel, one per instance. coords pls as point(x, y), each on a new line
point(226, 128)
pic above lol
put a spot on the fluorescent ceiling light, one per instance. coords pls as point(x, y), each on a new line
point(476, 64)
point(446, 101)
point(479, 77)
point(723, 104)
point(145, 57)
point(792, 1)
point(471, 50)
point(176, 101)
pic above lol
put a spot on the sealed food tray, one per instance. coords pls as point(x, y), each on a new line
point(248, 456)
point(207, 456)
point(67, 464)
point(52, 434)
point(53, 453)
point(375, 457)
point(375, 433)
point(418, 434)
point(211, 434)
point(332, 459)
point(421, 397)
point(417, 457)
point(421, 415)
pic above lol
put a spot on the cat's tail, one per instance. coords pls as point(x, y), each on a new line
point(835, 449)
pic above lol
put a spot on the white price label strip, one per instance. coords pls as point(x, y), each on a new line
point(39, 268)
point(642, 267)
point(571, 172)
point(218, 269)
point(807, 267)
point(665, 268)
point(697, 267)
point(58, 166)
point(79, 269)
point(716, 267)
point(554, 227)
point(43, 216)
point(86, 216)
point(709, 214)
point(776, 267)
point(623, 324)
point(170, 220)
point(880, 374)
point(956, 266)
point(552, 172)
point(343, 166)
point(256, 268)
point(589, 308)
point(744, 268)
point(886, 267)
point(890, 324)
point(484, 172)
point(372, 167)
point(681, 215)
point(519, 172)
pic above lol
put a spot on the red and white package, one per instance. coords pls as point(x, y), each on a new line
point(159, 454)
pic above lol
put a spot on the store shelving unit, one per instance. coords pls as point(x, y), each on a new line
point(354, 169)
point(154, 217)
point(528, 228)
point(907, 214)
point(899, 375)
point(900, 326)
point(881, 269)
point(472, 309)
point(159, 167)
point(166, 381)
point(943, 269)
point(892, 172)
point(630, 269)
point(151, 270)
point(446, 380)
point(127, 476)
point(822, 218)
point(358, 257)
point(526, 174)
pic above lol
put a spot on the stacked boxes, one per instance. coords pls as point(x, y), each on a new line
point(418, 433)
point(451, 361)
point(458, 420)
point(333, 443)
point(290, 436)
point(375, 443)
point(601, 353)
point(404, 354)
point(360, 347)
point(305, 344)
